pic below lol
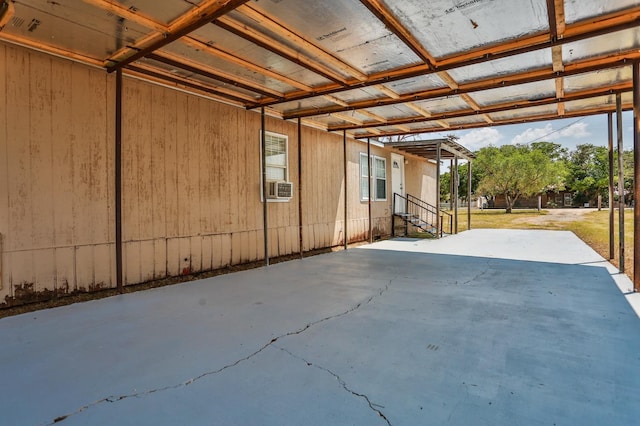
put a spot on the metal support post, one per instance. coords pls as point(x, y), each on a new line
point(612, 249)
point(265, 218)
point(118, 181)
point(620, 181)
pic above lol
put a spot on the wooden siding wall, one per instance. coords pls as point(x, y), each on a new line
point(191, 182)
point(420, 179)
point(56, 209)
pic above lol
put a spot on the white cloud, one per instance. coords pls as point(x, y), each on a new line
point(547, 133)
point(532, 134)
point(576, 130)
point(479, 138)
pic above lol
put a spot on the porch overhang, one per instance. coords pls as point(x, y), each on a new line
point(449, 149)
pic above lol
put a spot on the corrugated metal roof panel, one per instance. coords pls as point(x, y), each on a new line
point(579, 10)
point(505, 66)
point(610, 43)
point(445, 27)
point(364, 43)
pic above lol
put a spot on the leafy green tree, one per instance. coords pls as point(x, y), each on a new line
point(588, 172)
point(445, 185)
point(517, 171)
point(554, 151)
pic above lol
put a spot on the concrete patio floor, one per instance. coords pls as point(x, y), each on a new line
point(488, 327)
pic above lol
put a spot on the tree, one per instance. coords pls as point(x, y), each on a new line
point(445, 186)
point(476, 176)
point(517, 171)
point(588, 172)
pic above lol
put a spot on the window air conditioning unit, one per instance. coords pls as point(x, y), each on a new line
point(278, 190)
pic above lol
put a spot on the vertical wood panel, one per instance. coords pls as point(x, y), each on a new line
point(22, 272)
point(19, 234)
point(225, 250)
point(193, 176)
point(144, 156)
point(245, 255)
point(215, 204)
point(207, 253)
point(173, 256)
point(4, 178)
point(206, 168)
point(102, 254)
point(62, 161)
point(44, 270)
point(182, 155)
point(160, 258)
point(147, 260)
point(41, 156)
point(65, 271)
point(216, 248)
point(96, 137)
point(131, 133)
point(171, 168)
point(158, 122)
point(196, 254)
point(85, 277)
point(131, 262)
point(185, 255)
point(236, 248)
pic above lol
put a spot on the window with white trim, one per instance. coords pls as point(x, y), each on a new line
point(364, 177)
point(378, 177)
point(276, 161)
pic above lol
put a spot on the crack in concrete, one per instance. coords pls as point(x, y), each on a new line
point(113, 398)
point(478, 275)
point(342, 383)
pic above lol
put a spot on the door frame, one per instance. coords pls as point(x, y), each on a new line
point(398, 185)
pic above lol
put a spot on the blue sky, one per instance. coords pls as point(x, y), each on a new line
point(567, 132)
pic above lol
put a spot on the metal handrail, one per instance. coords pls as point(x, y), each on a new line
point(444, 216)
point(424, 212)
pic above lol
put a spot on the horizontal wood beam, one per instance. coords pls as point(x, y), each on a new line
point(307, 46)
point(208, 72)
point(187, 23)
point(395, 26)
point(542, 117)
point(505, 106)
point(575, 32)
point(237, 28)
point(162, 77)
point(590, 65)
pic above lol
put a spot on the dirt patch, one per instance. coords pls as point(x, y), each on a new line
point(555, 216)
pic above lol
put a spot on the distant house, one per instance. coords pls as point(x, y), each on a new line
point(549, 199)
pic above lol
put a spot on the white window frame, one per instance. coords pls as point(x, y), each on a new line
point(373, 178)
point(364, 178)
point(286, 167)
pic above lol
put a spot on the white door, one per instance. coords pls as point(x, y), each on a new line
point(397, 180)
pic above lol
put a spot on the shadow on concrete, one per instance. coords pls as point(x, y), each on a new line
point(356, 337)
